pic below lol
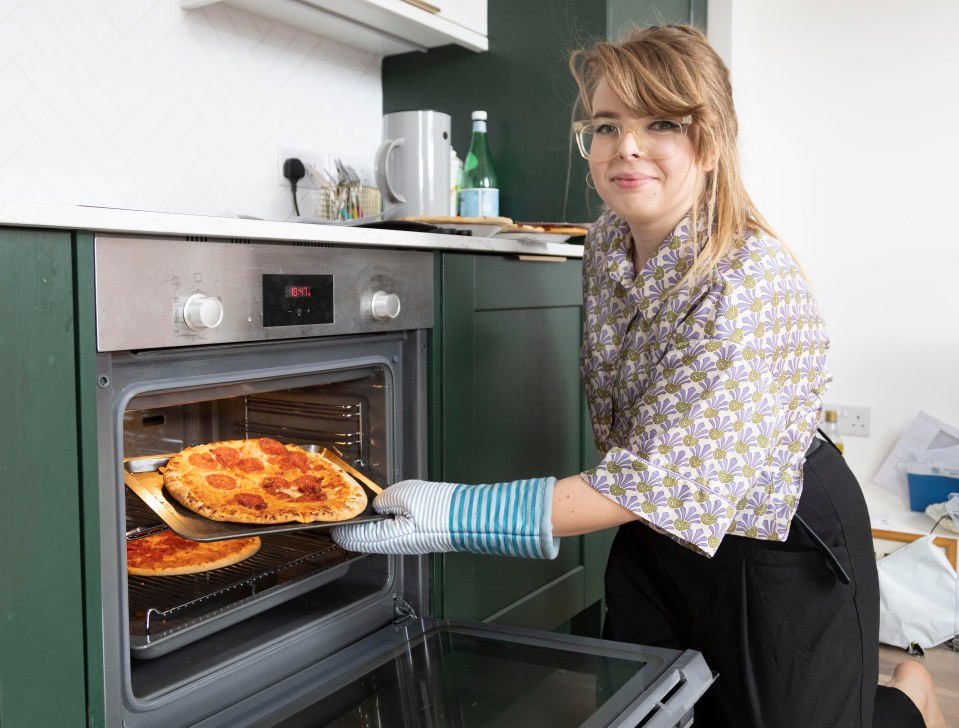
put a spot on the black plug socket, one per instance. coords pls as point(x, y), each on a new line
point(294, 171)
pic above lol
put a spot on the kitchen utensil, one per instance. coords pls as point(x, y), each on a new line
point(412, 165)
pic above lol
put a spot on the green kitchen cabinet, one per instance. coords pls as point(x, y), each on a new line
point(45, 457)
point(507, 403)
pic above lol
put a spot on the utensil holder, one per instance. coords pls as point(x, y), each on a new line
point(328, 206)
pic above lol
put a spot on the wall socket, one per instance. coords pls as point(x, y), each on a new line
point(321, 161)
point(851, 420)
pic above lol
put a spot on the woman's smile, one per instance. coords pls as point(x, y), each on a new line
point(632, 180)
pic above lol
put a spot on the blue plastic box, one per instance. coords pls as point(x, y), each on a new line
point(930, 484)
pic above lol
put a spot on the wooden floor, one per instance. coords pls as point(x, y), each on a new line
point(942, 662)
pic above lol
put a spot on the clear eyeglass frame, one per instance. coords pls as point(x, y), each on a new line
point(653, 147)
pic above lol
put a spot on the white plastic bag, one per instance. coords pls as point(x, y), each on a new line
point(918, 596)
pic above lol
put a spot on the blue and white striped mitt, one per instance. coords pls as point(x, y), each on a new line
point(509, 519)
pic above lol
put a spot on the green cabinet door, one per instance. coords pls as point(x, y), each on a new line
point(507, 403)
point(46, 350)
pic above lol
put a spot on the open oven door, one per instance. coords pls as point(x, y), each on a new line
point(420, 672)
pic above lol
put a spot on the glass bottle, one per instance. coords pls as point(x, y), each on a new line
point(832, 428)
point(479, 191)
point(456, 181)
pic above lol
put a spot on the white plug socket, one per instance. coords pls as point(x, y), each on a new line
point(852, 420)
point(321, 161)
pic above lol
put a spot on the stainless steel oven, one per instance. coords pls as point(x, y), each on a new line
point(327, 347)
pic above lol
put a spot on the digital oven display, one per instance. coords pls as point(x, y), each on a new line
point(298, 291)
point(294, 299)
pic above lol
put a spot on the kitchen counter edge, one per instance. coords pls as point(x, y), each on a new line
point(137, 222)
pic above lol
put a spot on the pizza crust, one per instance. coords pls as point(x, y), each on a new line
point(262, 481)
point(167, 554)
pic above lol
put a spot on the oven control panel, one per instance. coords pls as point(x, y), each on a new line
point(160, 293)
point(296, 298)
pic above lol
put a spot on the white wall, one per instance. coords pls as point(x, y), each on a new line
point(139, 104)
point(850, 136)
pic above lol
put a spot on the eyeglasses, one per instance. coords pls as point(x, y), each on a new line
point(599, 139)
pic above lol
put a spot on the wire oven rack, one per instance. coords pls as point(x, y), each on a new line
point(167, 612)
point(341, 425)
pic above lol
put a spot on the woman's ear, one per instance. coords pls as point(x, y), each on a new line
point(707, 162)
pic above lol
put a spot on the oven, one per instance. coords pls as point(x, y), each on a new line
point(326, 347)
point(207, 340)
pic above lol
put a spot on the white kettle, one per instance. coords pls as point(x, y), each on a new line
point(412, 165)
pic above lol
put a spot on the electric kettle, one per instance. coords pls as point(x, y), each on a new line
point(412, 164)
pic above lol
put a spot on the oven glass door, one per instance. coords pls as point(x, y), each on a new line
point(433, 673)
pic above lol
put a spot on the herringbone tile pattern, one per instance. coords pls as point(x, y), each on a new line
point(140, 104)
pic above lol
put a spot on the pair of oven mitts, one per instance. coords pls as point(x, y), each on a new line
point(509, 519)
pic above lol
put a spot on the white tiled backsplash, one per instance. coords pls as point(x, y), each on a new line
point(139, 104)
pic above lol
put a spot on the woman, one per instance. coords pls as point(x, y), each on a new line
point(703, 358)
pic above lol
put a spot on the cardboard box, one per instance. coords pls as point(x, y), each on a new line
point(930, 484)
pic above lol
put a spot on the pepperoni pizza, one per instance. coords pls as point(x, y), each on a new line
point(262, 481)
point(167, 554)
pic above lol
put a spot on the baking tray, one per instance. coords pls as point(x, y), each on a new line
point(142, 476)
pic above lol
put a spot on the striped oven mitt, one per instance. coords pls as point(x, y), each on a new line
point(509, 519)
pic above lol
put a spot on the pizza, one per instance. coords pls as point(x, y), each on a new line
point(167, 554)
point(262, 481)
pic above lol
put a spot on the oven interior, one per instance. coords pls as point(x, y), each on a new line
point(179, 627)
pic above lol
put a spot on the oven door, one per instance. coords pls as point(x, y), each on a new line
point(429, 673)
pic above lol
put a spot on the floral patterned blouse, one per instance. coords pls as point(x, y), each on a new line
point(704, 402)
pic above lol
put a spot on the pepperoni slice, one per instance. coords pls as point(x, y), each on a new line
point(280, 462)
point(250, 465)
point(271, 446)
point(227, 457)
point(299, 460)
point(293, 460)
point(277, 487)
point(202, 460)
point(310, 488)
point(308, 484)
point(220, 481)
point(250, 500)
point(310, 498)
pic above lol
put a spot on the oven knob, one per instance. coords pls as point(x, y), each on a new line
point(202, 312)
point(385, 306)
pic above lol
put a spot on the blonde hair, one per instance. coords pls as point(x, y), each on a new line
point(673, 71)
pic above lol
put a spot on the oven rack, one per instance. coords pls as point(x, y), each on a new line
point(265, 416)
point(167, 612)
point(282, 557)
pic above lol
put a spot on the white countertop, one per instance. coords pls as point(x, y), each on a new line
point(138, 222)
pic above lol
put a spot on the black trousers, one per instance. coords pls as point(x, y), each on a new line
point(791, 627)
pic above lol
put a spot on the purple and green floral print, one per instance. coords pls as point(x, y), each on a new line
point(704, 401)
